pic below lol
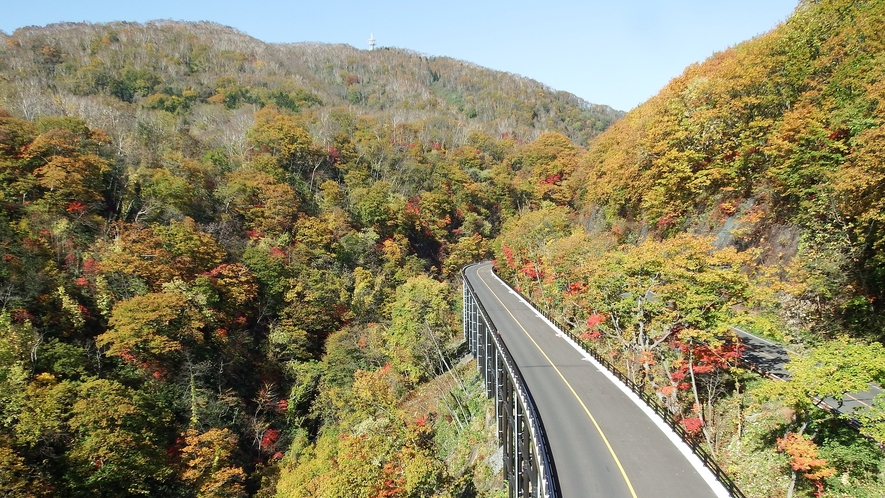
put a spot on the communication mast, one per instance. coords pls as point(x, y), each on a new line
point(371, 41)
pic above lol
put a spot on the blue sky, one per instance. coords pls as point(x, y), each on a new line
point(615, 52)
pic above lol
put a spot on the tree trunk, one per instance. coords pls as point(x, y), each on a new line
point(792, 485)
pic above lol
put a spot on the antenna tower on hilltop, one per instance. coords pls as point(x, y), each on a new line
point(371, 41)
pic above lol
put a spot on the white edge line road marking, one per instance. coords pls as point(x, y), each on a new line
point(717, 487)
point(766, 341)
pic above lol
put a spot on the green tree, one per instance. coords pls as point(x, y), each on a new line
point(17, 478)
point(468, 249)
point(266, 205)
point(69, 168)
point(16, 173)
point(830, 371)
point(153, 326)
point(420, 328)
point(115, 450)
point(158, 254)
point(284, 138)
point(380, 454)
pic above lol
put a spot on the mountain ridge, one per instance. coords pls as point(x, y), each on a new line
point(84, 59)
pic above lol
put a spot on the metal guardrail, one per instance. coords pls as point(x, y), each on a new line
point(651, 401)
point(528, 462)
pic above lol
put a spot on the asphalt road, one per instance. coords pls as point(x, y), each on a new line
point(770, 358)
point(603, 443)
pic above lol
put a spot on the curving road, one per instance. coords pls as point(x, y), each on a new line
point(604, 443)
point(771, 359)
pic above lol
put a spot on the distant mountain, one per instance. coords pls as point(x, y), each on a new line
point(183, 67)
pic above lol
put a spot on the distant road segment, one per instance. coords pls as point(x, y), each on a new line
point(771, 359)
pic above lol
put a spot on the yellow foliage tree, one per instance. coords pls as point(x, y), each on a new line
point(207, 464)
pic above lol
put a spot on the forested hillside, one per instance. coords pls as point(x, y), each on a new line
point(228, 268)
point(750, 192)
point(779, 140)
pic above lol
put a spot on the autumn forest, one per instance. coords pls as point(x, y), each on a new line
point(231, 268)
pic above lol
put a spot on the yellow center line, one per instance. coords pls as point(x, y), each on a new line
point(763, 353)
point(858, 400)
point(575, 394)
